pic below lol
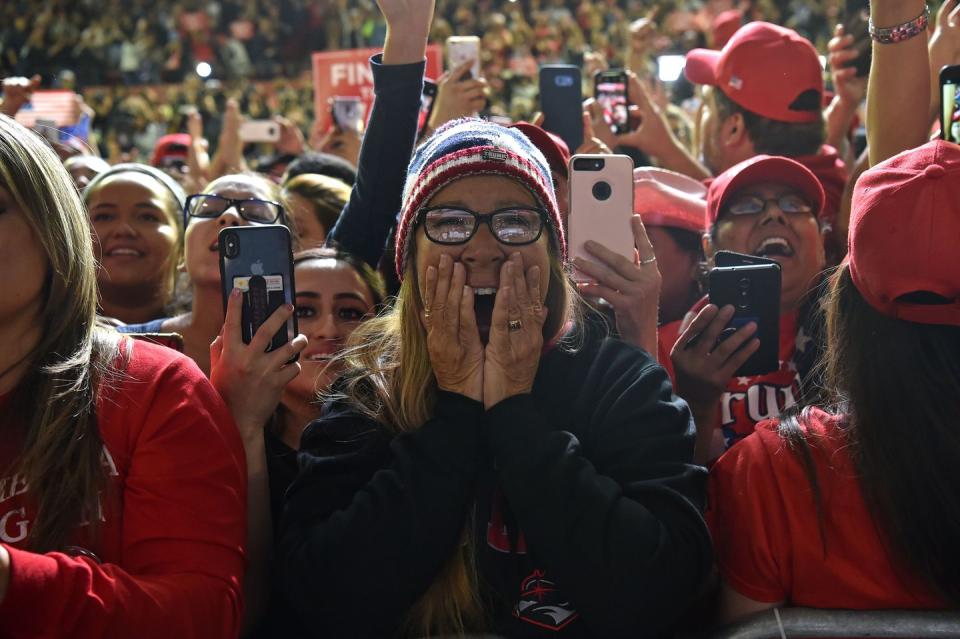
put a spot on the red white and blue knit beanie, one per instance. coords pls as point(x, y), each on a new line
point(471, 146)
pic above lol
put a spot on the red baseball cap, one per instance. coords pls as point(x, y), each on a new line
point(763, 169)
point(553, 148)
point(765, 69)
point(724, 26)
point(665, 198)
point(173, 146)
point(904, 228)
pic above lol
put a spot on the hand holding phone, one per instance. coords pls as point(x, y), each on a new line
point(950, 103)
point(754, 293)
point(256, 131)
point(347, 113)
point(610, 92)
point(463, 49)
point(601, 205)
point(258, 262)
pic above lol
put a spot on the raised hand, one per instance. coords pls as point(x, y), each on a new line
point(453, 339)
point(198, 157)
point(458, 96)
point(593, 143)
point(703, 366)
point(408, 26)
point(249, 379)
point(630, 286)
point(342, 143)
point(229, 156)
point(17, 91)
point(512, 355)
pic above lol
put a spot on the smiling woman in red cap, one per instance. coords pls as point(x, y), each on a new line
point(854, 507)
point(769, 207)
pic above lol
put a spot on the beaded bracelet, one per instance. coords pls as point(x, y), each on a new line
point(901, 32)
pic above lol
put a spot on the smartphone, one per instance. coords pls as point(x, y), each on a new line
point(754, 291)
point(601, 203)
point(427, 97)
point(259, 131)
point(258, 260)
point(950, 103)
point(732, 258)
point(347, 113)
point(460, 49)
point(610, 91)
point(561, 101)
point(856, 19)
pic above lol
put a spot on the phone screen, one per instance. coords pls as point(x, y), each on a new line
point(426, 104)
point(950, 104)
point(611, 93)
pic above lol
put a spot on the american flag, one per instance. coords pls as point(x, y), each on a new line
point(56, 106)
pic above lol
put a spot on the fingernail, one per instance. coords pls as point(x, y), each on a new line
point(235, 292)
point(466, 290)
point(288, 308)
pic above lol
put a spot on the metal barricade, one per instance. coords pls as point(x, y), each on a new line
point(793, 623)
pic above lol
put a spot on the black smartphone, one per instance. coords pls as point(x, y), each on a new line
point(856, 19)
point(258, 260)
point(561, 101)
point(754, 291)
point(732, 258)
point(427, 98)
point(610, 90)
point(950, 103)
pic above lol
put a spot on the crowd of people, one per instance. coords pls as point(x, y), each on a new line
point(475, 429)
point(135, 63)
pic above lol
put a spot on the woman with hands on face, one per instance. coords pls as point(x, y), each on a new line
point(522, 472)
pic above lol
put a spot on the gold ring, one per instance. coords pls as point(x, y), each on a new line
point(514, 325)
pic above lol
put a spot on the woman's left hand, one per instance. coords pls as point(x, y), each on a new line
point(512, 354)
point(632, 287)
point(249, 379)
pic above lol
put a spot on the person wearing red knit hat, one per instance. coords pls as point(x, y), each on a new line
point(767, 206)
point(672, 208)
point(852, 507)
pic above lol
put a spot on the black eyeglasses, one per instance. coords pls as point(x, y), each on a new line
point(754, 205)
point(514, 225)
point(213, 206)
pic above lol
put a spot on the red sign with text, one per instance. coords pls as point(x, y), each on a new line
point(347, 73)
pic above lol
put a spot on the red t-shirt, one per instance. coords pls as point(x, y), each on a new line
point(172, 522)
point(747, 400)
point(766, 534)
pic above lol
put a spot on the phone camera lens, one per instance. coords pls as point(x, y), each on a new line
point(231, 246)
point(744, 284)
point(602, 191)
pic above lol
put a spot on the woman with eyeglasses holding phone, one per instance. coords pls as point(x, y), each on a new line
point(232, 200)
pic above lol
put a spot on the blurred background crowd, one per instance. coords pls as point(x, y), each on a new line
point(142, 65)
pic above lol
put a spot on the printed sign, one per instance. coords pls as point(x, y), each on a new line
point(348, 73)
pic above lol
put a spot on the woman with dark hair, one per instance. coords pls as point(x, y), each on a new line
point(136, 215)
point(853, 506)
point(124, 495)
point(489, 462)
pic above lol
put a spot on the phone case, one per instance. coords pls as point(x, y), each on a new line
point(856, 24)
point(597, 212)
point(258, 260)
point(610, 90)
point(463, 48)
point(732, 258)
point(754, 291)
point(950, 103)
point(348, 113)
point(260, 131)
point(561, 102)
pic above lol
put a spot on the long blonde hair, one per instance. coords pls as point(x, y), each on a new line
point(389, 379)
point(61, 454)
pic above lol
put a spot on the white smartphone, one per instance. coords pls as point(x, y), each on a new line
point(601, 204)
point(259, 131)
point(348, 112)
point(461, 49)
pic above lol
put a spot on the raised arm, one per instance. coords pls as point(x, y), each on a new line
point(898, 93)
point(365, 223)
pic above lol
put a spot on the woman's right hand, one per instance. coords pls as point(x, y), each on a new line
point(458, 96)
point(249, 379)
point(453, 340)
point(703, 366)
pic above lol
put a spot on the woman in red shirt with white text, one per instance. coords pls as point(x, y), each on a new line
point(122, 508)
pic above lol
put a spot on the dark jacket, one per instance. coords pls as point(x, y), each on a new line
point(585, 504)
point(365, 222)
